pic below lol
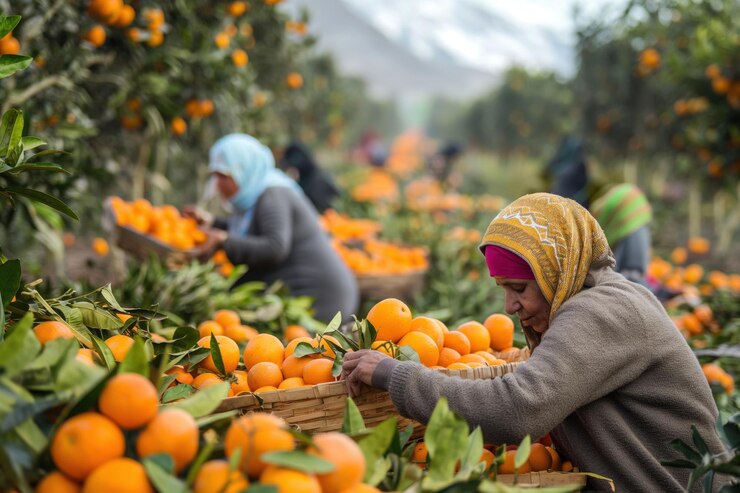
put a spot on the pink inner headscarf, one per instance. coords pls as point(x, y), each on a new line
point(504, 262)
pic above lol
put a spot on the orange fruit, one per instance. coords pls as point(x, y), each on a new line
point(567, 466)
point(85, 356)
point(328, 350)
point(226, 317)
point(293, 367)
point(84, 442)
point(704, 313)
point(472, 358)
point(214, 477)
point(239, 58)
point(693, 273)
point(318, 371)
point(264, 374)
point(264, 347)
point(555, 459)
point(266, 388)
point(130, 400)
point(290, 480)
point(292, 383)
point(105, 10)
point(221, 40)
point(360, 488)
point(178, 126)
point(480, 339)
point(240, 333)
point(241, 384)
point(692, 324)
point(424, 346)
point(294, 80)
point(56, 482)
point(420, 453)
point(205, 380)
point(256, 434)
point(487, 457)
point(457, 341)
point(125, 17)
point(501, 331)
point(48, 331)
point(508, 466)
point(539, 458)
point(173, 431)
point(290, 348)
point(95, 36)
point(383, 347)
point(458, 366)
point(119, 345)
point(118, 475)
point(100, 247)
point(236, 9)
point(345, 455)
point(391, 319)
point(210, 327)
point(295, 331)
point(430, 327)
point(9, 45)
point(447, 356)
point(181, 375)
point(229, 353)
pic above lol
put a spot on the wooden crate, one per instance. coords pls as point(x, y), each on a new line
point(544, 479)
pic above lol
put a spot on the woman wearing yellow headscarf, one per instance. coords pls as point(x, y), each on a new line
point(610, 377)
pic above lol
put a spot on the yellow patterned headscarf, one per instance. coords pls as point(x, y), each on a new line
point(557, 237)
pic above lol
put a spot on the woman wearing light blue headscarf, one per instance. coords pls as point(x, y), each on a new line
point(274, 229)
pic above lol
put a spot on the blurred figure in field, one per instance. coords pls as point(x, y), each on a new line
point(371, 150)
point(442, 163)
point(567, 172)
point(624, 214)
point(316, 183)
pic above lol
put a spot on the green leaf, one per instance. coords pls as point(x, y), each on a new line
point(353, 422)
point(377, 443)
point(522, 452)
point(8, 23)
point(110, 298)
point(305, 349)
point(44, 198)
point(136, 360)
point(407, 353)
point(182, 391)
point(226, 416)
point(27, 410)
point(336, 367)
point(19, 348)
point(204, 401)
point(7, 124)
point(215, 351)
point(687, 451)
point(10, 280)
point(185, 338)
point(262, 488)
point(31, 142)
point(302, 461)
point(471, 458)
point(105, 353)
point(97, 318)
point(10, 64)
point(16, 130)
point(333, 325)
point(699, 442)
point(446, 438)
point(30, 433)
point(161, 478)
point(40, 167)
point(682, 463)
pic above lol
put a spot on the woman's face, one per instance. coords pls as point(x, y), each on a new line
point(524, 298)
point(226, 185)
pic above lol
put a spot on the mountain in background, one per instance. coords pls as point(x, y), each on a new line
point(454, 48)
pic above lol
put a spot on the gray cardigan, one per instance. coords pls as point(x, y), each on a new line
point(613, 380)
point(286, 243)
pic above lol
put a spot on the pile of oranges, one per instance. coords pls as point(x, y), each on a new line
point(542, 457)
point(163, 223)
point(264, 364)
point(375, 257)
point(716, 375)
point(470, 345)
point(342, 227)
point(90, 449)
point(379, 186)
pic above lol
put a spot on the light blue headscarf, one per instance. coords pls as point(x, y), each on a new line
point(252, 166)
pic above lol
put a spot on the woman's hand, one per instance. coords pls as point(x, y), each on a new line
point(358, 369)
point(202, 217)
point(215, 239)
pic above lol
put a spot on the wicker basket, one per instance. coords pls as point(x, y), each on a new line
point(138, 244)
point(402, 286)
point(514, 355)
point(545, 479)
point(320, 408)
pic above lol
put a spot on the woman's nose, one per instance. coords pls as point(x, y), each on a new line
point(511, 304)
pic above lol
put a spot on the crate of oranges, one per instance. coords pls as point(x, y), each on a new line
point(142, 229)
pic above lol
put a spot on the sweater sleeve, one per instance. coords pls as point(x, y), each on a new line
point(272, 245)
point(583, 356)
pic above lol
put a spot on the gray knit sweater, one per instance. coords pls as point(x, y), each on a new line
point(612, 379)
